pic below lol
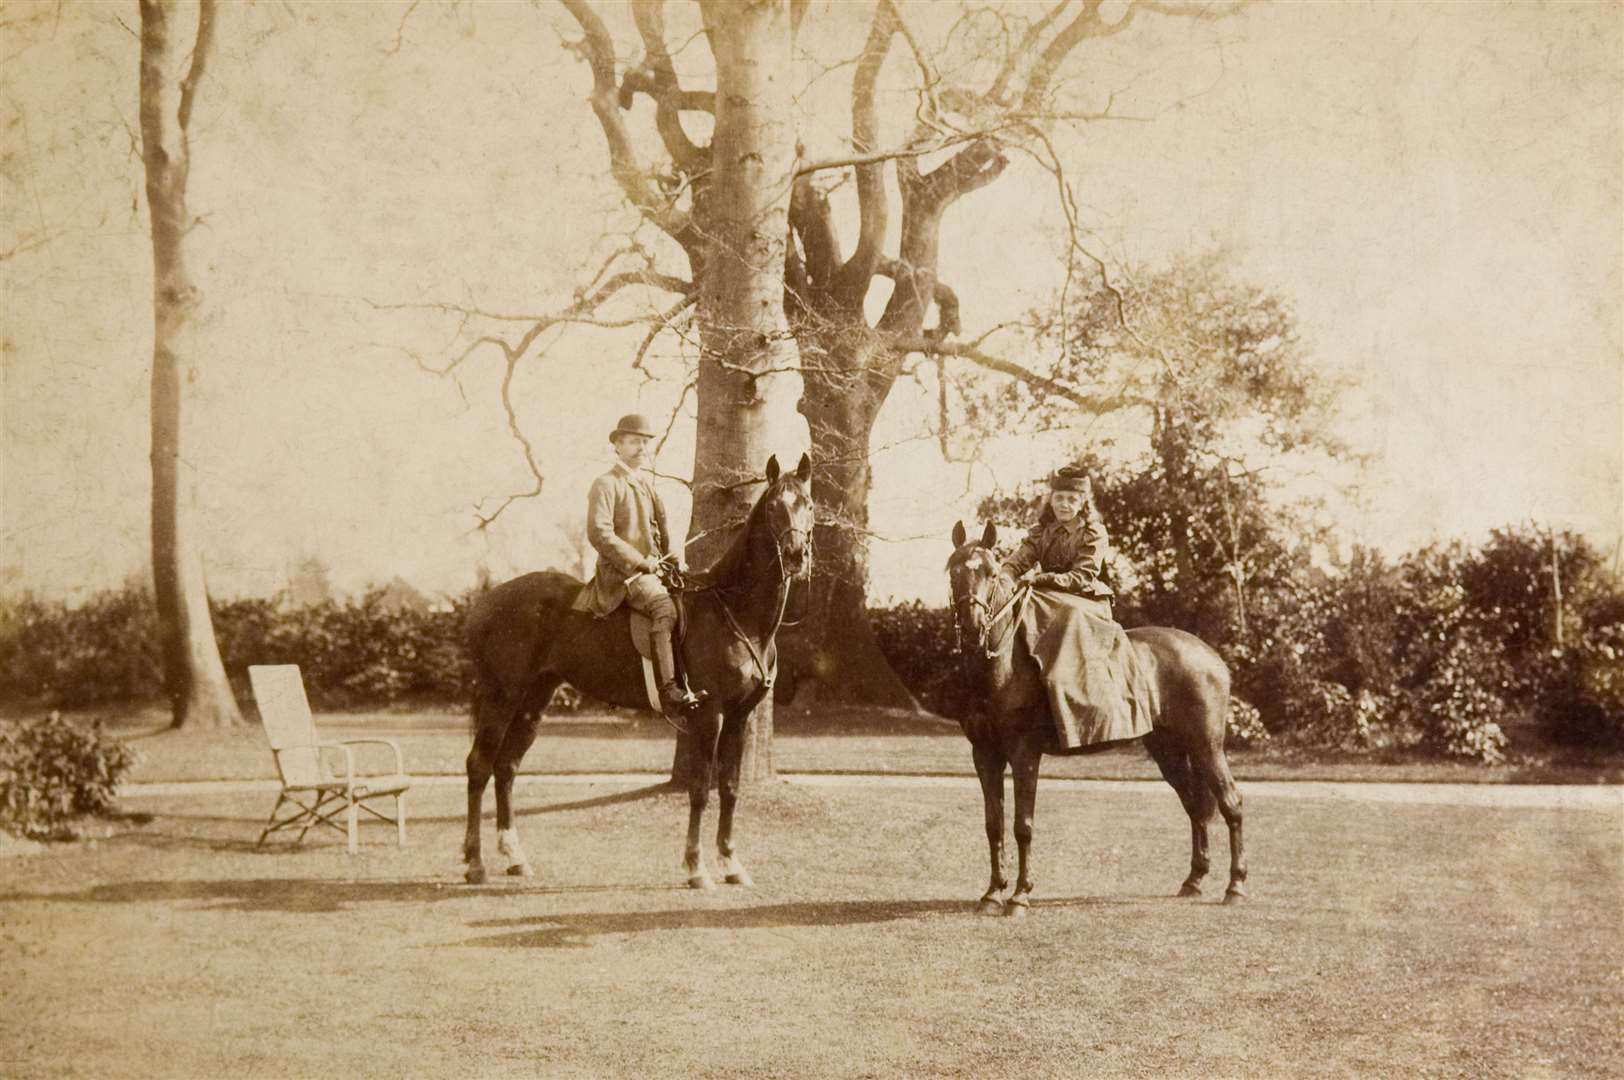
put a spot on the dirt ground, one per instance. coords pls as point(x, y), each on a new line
point(1382, 939)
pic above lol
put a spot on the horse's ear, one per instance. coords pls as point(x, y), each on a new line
point(772, 469)
point(958, 535)
point(803, 471)
point(989, 535)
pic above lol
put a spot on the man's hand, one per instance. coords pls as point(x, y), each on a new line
point(649, 565)
point(1045, 580)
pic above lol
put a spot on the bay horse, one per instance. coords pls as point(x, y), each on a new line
point(525, 641)
point(1016, 727)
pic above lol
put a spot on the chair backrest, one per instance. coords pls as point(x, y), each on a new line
point(285, 713)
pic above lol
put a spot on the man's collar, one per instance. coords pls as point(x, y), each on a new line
point(626, 470)
point(1073, 525)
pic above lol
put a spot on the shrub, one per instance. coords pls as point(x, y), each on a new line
point(921, 645)
point(1245, 724)
point(52, 771)
point(103, 650)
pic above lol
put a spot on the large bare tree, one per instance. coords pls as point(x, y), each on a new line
point(175, 41)
point(781, 306)
point(700, 196)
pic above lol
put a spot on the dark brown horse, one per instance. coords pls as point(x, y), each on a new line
point(1016, 729)
point(525, 641)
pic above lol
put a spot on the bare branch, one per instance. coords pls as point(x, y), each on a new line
point(1091, 403)
point(598, 48)
point(914, 149)
point(650, 17)
point(865, 124)
point(999, 94)
point(200, 55)
point(664, 323)
point(1087, 24)
point(400, 31)
point(512, 358)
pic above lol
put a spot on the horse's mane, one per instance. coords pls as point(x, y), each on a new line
point(729, 567)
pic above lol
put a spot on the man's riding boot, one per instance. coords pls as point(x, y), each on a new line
point(675, 698)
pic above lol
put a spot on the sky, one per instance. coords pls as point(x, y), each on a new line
point(1437, 189)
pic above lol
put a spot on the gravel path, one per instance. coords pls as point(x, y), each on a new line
point(1548, 796)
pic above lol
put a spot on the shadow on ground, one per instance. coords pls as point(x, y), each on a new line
point(305, 896)
point(575, 930)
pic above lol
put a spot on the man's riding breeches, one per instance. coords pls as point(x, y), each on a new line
point(647, 594)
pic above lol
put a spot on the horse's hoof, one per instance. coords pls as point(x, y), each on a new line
point(1235, 895)
point(702, 882)
point(740, 877)
point(520, 869)
point(475, 874)
point(1015, 909)
point(990, 905)
point(1188, 890)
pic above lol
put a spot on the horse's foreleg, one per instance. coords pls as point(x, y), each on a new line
point(1024, 763)
point(729, 755)
point(519, 738)
point(701, 771)
point(990, 771)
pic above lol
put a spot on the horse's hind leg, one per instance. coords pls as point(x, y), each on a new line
point(1197, 799)
point(521, 733)
point(1212, 768)
point(990, 771)
point(491, 718)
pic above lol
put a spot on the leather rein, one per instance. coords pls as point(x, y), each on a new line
point(783, 582)
point(991, 648)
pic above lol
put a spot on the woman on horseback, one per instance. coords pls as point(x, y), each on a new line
point(1068, 544)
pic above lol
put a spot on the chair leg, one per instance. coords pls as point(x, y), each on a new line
point(270, 822)
point(400, 818)
point(351, 821)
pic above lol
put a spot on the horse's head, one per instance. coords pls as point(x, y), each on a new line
point(786, 512)
point(980, 589)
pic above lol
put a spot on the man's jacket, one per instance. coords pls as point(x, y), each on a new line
point(625, 524)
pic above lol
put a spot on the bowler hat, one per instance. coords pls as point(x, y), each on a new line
point(1069, 478)
point(634, 424)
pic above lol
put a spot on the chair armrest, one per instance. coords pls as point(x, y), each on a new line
point(400, 761)
point(349, 760)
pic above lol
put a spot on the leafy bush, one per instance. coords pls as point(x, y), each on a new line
point(921, 644)
point(52, 771)
point(1245, 724)
point(360, 651)
point(103, 650)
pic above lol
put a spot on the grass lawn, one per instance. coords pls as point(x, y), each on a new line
point(1382, 939)
point(435, 741)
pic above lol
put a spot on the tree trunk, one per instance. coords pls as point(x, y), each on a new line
point(194, 677)
point(748, 385)
point(831, 654)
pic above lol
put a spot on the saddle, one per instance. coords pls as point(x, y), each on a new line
point(642, 641)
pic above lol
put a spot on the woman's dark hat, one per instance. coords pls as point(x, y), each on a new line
point(1069, 478)
point(634, 424)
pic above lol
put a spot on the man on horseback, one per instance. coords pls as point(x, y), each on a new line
point(626, 525)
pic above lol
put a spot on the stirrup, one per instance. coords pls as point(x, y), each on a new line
point(677, 702)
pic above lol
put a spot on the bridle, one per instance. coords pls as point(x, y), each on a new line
point(990, 647)
point(784, 578)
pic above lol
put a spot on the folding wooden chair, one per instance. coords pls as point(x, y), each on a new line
point(309, 785)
